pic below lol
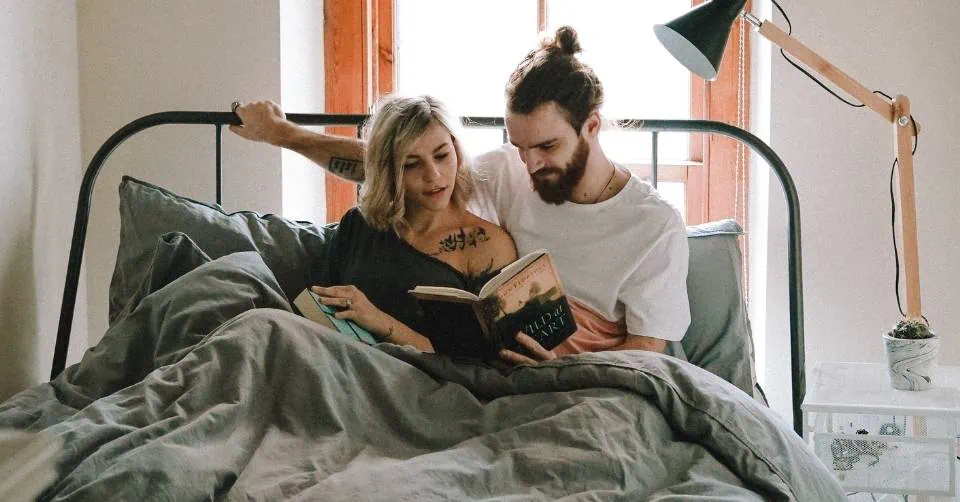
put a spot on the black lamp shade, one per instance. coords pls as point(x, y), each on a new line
point(697, 39)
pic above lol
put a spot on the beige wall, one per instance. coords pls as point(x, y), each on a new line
point(39, 179)
point(138, 58)
point(840, 158)
point(103, 63)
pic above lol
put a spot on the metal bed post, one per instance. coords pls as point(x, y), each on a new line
point(794, 251)
point(655, 140)
point(218, 119)
point(219, 164)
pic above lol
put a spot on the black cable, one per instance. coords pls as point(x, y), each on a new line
point(810, 75)
point(883, 94)
point(893, 231)
point(802, 70)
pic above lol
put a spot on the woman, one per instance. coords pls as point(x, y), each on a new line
point(411, 228)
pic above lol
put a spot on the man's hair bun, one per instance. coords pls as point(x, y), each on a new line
point(566, 41)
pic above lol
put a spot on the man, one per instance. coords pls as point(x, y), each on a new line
point(621, 250)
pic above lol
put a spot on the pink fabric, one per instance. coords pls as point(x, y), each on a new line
point(594, 333)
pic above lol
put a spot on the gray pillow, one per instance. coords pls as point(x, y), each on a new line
point(719, 337)
point(289, 248)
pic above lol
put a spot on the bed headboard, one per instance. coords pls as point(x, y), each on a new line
point(655, 127)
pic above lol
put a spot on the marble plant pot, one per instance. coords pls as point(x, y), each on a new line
point(911, 362)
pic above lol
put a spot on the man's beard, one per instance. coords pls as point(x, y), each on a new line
point(555, 185)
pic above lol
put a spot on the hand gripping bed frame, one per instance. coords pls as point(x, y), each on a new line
point(219, 119)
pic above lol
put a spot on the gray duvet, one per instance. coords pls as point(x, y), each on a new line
point(208, 388)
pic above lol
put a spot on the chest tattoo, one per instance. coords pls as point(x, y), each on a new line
point(462, 239)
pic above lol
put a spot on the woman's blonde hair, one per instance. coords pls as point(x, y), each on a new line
point(396, 125)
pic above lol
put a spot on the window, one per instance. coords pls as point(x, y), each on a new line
point(468, 74)
point(464, 51)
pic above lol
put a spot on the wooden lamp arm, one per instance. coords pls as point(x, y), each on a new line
point(817, 63)
point(897, 113)
point(903, 133)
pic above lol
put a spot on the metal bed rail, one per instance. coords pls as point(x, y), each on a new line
point(655, 127)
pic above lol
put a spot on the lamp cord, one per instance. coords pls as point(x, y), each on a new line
point(916, 136)
point(801, 69)
point(810, 75)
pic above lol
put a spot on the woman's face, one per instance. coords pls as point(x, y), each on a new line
point(430, 170)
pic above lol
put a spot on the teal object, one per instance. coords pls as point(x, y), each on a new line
point(348, 327)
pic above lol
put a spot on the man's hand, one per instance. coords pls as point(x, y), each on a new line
point(539, 353)
point(633, 342)
point(262, 121)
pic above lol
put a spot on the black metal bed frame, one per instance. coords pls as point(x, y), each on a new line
point(219, 119)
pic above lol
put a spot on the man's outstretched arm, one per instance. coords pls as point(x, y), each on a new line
point(264, 121)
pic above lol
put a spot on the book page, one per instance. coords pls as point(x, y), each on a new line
point(444, 294)
point(509, 271)
point(536, 284)
point(310, 307)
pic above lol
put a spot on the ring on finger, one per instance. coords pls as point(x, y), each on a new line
point(234, 106)
point(348, 303)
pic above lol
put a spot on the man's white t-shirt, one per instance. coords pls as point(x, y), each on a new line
point(625, 258)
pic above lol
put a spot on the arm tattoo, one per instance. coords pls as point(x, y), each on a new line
point(347, 168)
point(462, 239)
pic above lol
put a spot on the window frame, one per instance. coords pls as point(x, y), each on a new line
point(359, 52)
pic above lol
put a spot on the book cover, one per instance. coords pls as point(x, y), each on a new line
point(308, 304)
point(526, 296)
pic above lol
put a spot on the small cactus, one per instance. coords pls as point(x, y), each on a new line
point(912, 329)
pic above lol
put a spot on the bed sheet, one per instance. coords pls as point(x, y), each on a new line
point(208, 387)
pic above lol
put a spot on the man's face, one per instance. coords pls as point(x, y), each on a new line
point(555, 155)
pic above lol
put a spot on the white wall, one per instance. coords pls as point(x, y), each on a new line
point(138, 58)
point(840, 158)
point(39, 179)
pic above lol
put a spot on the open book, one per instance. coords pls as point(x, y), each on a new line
point(525, 296)
point(308, 303)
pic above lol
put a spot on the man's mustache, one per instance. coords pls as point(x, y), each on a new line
point(545, 172)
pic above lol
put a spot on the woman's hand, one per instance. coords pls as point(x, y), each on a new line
point(262, 121)
point(539, 353)
point(355, 306)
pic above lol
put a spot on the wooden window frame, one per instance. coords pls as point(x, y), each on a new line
point(715, 190)
point(359, 53)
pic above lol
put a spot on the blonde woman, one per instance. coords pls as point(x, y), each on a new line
point(411, 228)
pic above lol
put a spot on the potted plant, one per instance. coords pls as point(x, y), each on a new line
point(912, 354)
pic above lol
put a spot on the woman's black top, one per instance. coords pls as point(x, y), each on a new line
point(385, 267)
